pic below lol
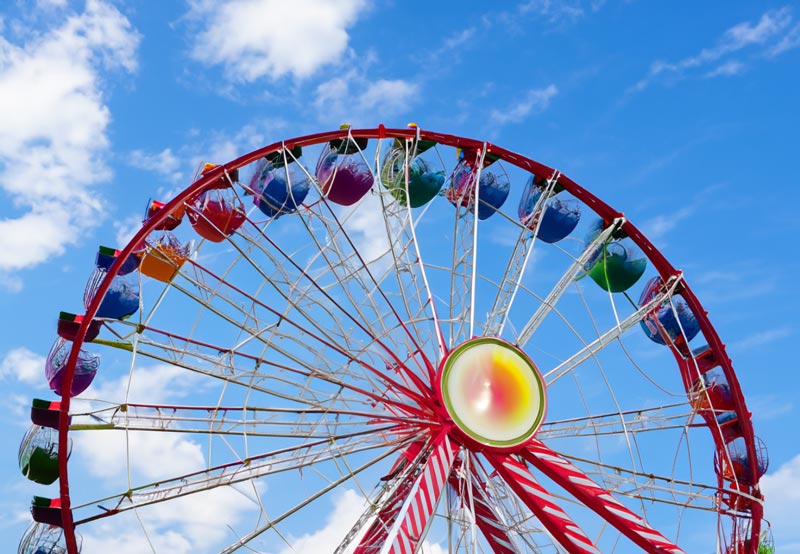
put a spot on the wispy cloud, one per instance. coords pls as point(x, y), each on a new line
point(458, 39)
point(727, 69)
point(790, 41)
point(767, 407)
point(164, 163)
point(535, 101)
point(769, 29)
point(762, 338)
point(656, 228)
point(554, 11)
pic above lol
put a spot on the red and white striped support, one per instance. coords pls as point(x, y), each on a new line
point(412, 519)
point(375, 537)
point(577, 483)
point(560, 526)
point(487, 517)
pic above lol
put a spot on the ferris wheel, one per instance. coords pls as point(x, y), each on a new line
point(390, 341)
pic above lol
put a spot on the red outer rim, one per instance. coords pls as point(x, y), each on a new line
point(660, 263)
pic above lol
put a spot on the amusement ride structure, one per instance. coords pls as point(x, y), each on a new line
point(472, 350)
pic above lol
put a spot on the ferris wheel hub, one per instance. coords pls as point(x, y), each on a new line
point(493, 392)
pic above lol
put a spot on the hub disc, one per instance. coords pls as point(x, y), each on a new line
point(493, 392)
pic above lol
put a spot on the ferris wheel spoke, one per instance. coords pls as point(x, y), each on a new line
point(403, 520)
point(345, 261)
point(667, 417)
point(326, 340)
point(517, 263)
point(278, 422)
point(326, 303)
point(562, 528)
point(223, 367)
point(257, 328)
point(490, 519)
point(409, 270)
point(282, 388)
point(253, 467)
point(549, 303)
point(611, 335)
point(595, 497)
point(410, 276)
point(650, 487)
point(463, 268)
point(407, 267)
point(272, 522)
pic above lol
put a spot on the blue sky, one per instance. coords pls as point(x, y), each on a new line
point(683, 116)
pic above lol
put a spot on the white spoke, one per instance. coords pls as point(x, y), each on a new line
point(549, 303)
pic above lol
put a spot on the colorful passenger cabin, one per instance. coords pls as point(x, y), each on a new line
point(163, 258)
point(107, 256)
point(224, 181)
point(86, 368)
point(424, 181)
point(743, 544)
point(492, 189)
point(343, 176)
point(46, 413)
point(734, 463)
point(216, 214)
point(38, 455)
point(47, 511)
point(711, 395)
point(41, 538)
point(121, 300)
point(616, 265)
point(559, 218)
point(279, 185)
point(171, 222)
point(69, 324)
point(671, 322)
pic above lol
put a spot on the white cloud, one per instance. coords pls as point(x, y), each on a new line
point(105, 453)
point(51, 3)
point(186, 525)
point(54, 130)
point(164, 163)
point(366, 226)
point(126, 228)
point(353, 98)
point(272, 38)
point(770, 26)
point(183, 525)
point(154, 385)
point(348, 507)
point(782, 497)
point(24, 365)
point(535, 101)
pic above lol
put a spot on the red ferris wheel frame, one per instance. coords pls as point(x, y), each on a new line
point(536, 454)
